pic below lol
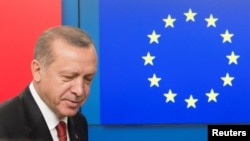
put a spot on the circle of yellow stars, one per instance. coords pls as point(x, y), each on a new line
point(155, 80)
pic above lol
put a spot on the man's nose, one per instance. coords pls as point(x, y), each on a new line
point(78, 87)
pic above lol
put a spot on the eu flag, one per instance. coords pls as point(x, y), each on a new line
point(174, 61)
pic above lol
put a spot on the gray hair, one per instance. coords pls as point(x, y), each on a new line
point(72, 35)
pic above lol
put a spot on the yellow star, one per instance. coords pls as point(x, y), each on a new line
point(148, 59)
point(154, 81)
point(169, 21)
point(190, 15)
point(227, 37)
point(212, 96)
point(233, 58)
point(170, 96)
point(153, 37)
point(191, 102)
point(211, 21)
point(227, 80)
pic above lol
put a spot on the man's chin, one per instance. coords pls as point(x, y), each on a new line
point(70, 112)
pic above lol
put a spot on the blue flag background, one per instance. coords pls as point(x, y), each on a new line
point(174, 62)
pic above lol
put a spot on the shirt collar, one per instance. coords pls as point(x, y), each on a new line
point(49, 116)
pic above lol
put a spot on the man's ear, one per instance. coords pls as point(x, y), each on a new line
point(36, 70)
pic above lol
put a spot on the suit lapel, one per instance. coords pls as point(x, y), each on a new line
point(73, 134)
point(33, 118)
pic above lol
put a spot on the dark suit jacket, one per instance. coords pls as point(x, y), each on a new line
point(22, 120)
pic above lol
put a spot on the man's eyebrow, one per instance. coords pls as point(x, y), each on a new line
point(68, 73)
point(90, 75)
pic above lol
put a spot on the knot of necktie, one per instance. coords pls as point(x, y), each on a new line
point(61, 131)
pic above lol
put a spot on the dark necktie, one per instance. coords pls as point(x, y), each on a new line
point(61, 131)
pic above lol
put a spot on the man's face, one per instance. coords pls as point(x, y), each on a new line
point(64, 85)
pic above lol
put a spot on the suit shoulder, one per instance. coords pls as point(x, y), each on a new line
point(10, 112)
point(10, 107)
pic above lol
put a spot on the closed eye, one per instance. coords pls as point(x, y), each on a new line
point(68, 78)
point(88, 79)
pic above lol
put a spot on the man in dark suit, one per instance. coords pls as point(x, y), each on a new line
point(63, 68)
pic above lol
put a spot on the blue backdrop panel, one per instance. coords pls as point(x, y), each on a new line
point(89, 21)
point(174, 62)
point(70, 12)
point(91, 108)
point(147, 133)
